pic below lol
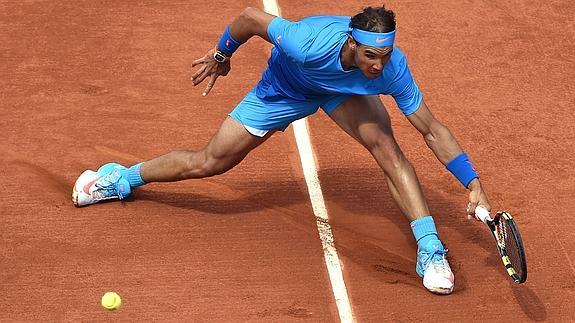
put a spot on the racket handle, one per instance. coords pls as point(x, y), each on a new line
point(482, 213)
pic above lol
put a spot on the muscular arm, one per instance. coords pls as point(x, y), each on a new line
point(251, 22)
point(440, 140)
point(437, 137)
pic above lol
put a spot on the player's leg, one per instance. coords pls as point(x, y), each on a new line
point(226, 149)
point(250, 124)
point(367, 121)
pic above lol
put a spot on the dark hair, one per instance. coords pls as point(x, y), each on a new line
point(378, 19)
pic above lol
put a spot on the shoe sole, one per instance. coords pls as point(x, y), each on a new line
point(440, 291)
point(75, 197)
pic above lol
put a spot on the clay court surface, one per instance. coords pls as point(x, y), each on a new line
point(88, 82)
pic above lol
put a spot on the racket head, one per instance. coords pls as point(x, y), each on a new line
point(510, 246)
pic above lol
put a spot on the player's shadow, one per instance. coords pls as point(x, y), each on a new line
point(363, 192)
point(360, 191)
point(256, 196)
point(357, 191)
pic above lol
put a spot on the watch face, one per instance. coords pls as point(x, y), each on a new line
point(219, 57)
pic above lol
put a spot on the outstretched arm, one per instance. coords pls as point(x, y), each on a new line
point(446, 148)
point(251, 22)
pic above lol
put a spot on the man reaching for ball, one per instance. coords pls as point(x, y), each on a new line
point(340, 64)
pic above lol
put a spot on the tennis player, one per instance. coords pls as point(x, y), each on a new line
point(339, 64)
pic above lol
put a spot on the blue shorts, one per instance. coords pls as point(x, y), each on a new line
point(279, 112)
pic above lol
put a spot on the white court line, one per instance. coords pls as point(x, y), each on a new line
point(322, 218)
point(332, 262)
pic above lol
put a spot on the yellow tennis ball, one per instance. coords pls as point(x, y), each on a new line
point(111, 301)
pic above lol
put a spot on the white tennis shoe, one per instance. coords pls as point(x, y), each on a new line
point(105, 184)
point(433, 266)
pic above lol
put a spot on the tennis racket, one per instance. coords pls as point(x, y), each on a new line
point(508, 240)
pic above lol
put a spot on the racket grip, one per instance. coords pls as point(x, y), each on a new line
point(482, 213)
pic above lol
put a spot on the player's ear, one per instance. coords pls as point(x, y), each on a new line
point(352, 44)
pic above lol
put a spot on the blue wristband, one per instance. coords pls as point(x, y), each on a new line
point(227, 43)
point(462, 169)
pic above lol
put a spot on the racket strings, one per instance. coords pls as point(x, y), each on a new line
point(511, 247)
point(501, 232)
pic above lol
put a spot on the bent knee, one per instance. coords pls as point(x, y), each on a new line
point(213, 166)
point(207, 165)
point(383, 143)
point(386, 150)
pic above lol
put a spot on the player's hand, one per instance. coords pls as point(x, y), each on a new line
point(209, 67)
point(477, 196)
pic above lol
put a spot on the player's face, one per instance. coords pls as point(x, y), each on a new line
point(372, 60)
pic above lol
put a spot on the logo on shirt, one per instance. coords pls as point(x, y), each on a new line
point(278, 39)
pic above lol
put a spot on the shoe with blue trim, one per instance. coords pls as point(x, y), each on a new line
point(105, 184)
point(108, 168)
point(433, 266)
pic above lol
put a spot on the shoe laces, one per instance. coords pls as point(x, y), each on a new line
point(439, 261)
point(108, 187)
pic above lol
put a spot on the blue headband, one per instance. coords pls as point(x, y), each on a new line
point(369, 38)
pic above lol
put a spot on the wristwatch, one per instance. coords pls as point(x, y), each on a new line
point(220, 57)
